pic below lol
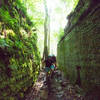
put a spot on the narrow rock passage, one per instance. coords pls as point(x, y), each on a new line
point(60, 89)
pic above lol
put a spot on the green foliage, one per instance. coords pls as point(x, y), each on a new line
point(3, 43)
point(19, 54)
point(75, 3)
point(15, 15)
point(6, 18)
point(71, 3)
point(61, 34)
point(34, 10)
point(21, 6)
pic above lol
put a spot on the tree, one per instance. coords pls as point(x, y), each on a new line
point(46, 31)
point(49, 34)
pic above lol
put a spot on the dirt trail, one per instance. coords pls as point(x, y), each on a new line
point(59, 89)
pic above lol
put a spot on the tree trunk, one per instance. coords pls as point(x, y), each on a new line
point(49, 35)
point(45, 53)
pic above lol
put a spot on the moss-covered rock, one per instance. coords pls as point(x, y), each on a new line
point(19, 54)
point(80, 45)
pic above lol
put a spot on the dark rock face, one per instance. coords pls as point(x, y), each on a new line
point(80, 46)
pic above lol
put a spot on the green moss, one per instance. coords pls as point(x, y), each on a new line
point(19, 55)
point(81, 47)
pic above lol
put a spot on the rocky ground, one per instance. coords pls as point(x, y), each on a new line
point(59, 89)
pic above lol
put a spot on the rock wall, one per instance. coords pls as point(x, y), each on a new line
point(80, 45)
point(19, 54)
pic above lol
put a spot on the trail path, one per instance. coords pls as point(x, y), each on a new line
point(60, 89)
